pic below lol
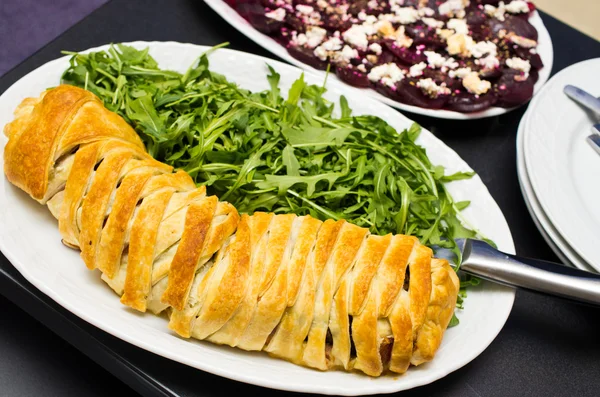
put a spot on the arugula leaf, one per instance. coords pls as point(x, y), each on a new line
point(290, 161)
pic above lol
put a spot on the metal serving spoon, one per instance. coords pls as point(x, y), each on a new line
point(482, 260)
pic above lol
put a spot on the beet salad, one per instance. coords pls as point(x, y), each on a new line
point(458, 55)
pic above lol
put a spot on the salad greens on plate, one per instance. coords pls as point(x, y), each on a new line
point(263, 151)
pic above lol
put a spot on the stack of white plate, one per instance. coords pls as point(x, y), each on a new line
point(559, 171)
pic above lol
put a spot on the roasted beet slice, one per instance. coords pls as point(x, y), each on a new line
point(468, 103)
point(334, 22)
point(356, 6)
point(269, 3)
point(476, 18)
point(513, 24)
point(491, 74)
point(294, 23)
point(254, 12)
point(477, 21)
point(440, 77)
point(534, 76)
point(390, 92)
point(407, 55)
point(512, 92)
point(411, 3)
point(265, 24)
point(349, 74)
point(307, 56)
point(534, 59)
point(411, 94)
point(247, 7)
point(303, 2)
point(423, 34)
point(386, 56)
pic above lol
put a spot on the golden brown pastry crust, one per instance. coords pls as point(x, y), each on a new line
point(320, 294)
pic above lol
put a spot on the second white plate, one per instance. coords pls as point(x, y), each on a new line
point(560, 247)
point(563, 169)
point(544, 49)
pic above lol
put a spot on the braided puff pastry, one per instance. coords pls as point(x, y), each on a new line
point(319, 294)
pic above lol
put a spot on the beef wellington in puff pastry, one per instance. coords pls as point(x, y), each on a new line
point(320, 294)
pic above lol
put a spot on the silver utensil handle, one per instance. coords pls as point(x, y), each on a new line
point(481, 259)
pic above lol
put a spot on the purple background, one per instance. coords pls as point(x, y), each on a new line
point(28, 25)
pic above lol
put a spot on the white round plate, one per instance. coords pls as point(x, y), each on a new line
point(563, 169)
point(544, 49)
point(560, 247)
point(30, 239)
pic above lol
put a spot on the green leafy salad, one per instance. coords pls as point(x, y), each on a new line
point(263, 151)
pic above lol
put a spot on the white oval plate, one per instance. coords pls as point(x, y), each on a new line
point(560, 247)
point(564, 170)
point(30, 240)
point(544, 49)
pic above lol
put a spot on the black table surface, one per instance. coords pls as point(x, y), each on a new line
point(547, 347)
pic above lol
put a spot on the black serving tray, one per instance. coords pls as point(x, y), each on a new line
point(547, 347)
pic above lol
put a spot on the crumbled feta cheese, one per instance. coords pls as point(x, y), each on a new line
point(417, 69)
point(406, 15)
point(426, 12)
point(458, 25)
point(518, 64)
point(517, 6)
point(322, 4)
point(432, 23)
point(431, 89)
point(494, 12)
point(488, 63)
point(346, 55)
point(459, 73)
point(388, 17)
point(329, 46)
point(314, 36)
point(459, 44)
point(340, 8)
point(313, 18)
point(453, 8)
point(367, 19)
point(356, 36)
point(444, 33)
point(370, 20)
point(304, 9)
point(388, 74)
point(372, 4)
point(361, 68)
point(401, 39)
point(376, 48)
point(385, 28)
point(482, 48)
point(475, 85)
point(522, 41)
point(298, 40)
point(449, 63)
point(334, 43)
point(278, 14)
point(434, 59)
point(321, 53)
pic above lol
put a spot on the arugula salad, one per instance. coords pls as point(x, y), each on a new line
point(266, 151)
